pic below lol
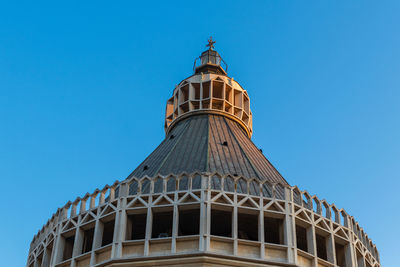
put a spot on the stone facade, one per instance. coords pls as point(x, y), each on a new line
point(62, 240)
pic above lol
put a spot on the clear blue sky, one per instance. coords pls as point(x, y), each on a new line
point(83, 87)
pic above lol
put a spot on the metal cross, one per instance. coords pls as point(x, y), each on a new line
point(211, 43)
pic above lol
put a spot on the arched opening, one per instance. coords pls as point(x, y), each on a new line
point(145, 186)
point(133, 187)
point(229, 184)
point(183, 183)
point(254, 188)
point(171, 184)
point(241, 186)
point(216, 182)
point(196, 182)
point(158, 185)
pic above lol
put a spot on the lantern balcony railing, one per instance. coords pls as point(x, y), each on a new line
point(210, 57)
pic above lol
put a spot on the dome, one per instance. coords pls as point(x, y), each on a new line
point(206, 196)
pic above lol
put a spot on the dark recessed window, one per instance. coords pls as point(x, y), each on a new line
point(273, 230)
point(108, 233)
point(248, 226)
point(162, 224)
point(340, 255)
point(189, 222)
point(87, 240)
point(136, 226)
point(221, 223)
point(321, 247)
point(301, 238)
point(68, 247)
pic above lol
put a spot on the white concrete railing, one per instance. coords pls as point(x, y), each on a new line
point(210, 183)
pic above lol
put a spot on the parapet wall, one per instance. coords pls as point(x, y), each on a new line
point(309, 231)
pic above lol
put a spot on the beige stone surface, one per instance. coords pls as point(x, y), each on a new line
point(202, 261)
point(276, 254)
point(187, 245)
point(83, 262)
point(305, 262)
point(160, 247)
point(103, 255)
point(223, 247)
point(246, 250)
point(132, 249)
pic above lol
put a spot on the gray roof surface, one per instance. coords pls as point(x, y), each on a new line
point(197, 144)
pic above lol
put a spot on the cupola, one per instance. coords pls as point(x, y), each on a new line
point(209, 91)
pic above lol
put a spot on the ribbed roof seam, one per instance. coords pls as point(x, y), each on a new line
point(173, 148)
point(251, 164)
point(198, 146)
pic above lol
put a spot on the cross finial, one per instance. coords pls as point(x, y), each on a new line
point(211, 43)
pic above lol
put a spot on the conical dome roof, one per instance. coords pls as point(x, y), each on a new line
point(208, 129)
point(208, 143)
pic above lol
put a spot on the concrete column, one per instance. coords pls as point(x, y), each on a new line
point(82, 209)
point(175, 221)
point(190, 92)
point(350, 251)
point(78, 242)
point(207, 194)
point(120, 229)
point(361, 261)
point(261, 228)
point(53, 251)
point(330, 248)
point(223, 95)
point(179, 100)
point(203, 221)
point(59, 249)
point(102, 198)
point(37, 263)
point(116, 250)
point(124, 190)
point(311, 243)
point(208, 220)
point(93, 201)
point(201, 98)
point(59, 241)
point(46, 258)
point(289, 228)
point(349, 258)
point(97, 239)
point(73, 209)
point(235, 225)
point(149, 222)
point(211, 92)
